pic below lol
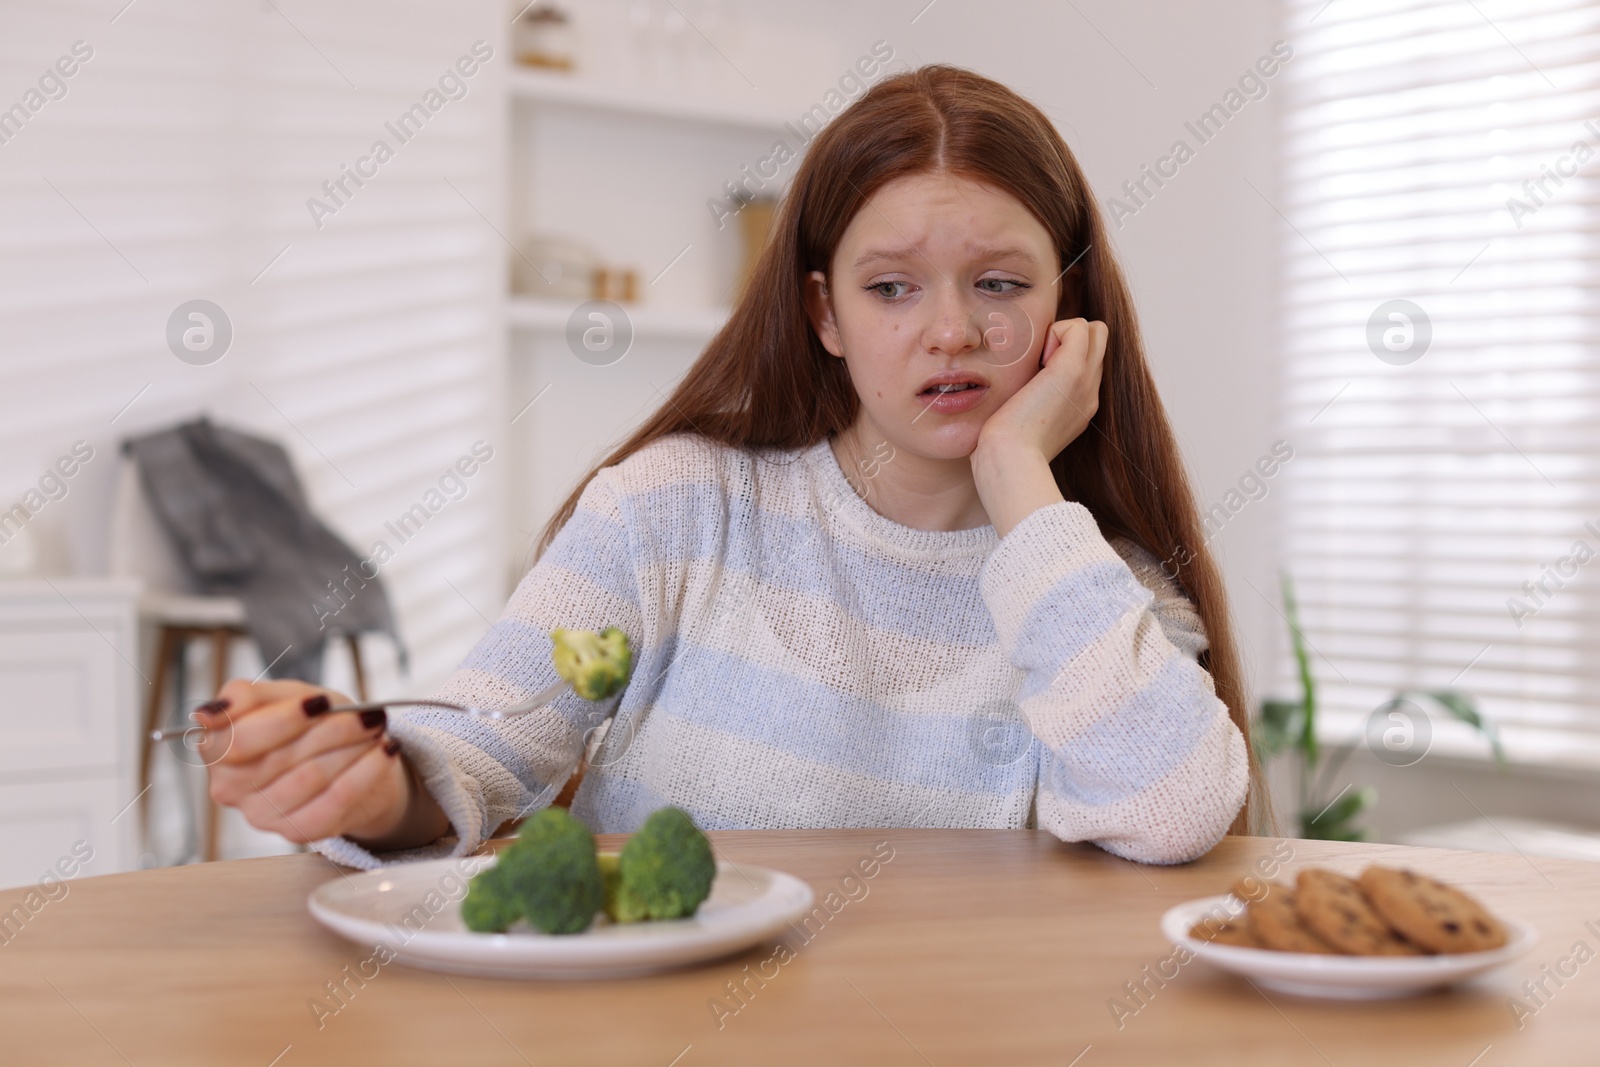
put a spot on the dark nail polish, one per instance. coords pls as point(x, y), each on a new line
point(316, 705)
point(211, 707)
point(391, 747)
point(374, 718)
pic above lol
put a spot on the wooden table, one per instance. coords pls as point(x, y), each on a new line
point(966, 947)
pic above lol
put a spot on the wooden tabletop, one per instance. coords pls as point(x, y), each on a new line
point(965, 947)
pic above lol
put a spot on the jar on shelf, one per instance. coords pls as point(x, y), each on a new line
point(756, 215)
point(619, 284)
point(543, 37)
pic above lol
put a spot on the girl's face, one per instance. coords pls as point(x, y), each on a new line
point(939, 298)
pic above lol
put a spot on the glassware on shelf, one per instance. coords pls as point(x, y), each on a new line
point(554, 266)
point(600, 39)
point(638, 43)
point(20, 557)
point(673, 54)
point(706, 71)
point(659, 44)
point(542, 36)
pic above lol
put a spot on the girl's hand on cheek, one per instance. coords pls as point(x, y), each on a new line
point(1011, 464)
point(1055, 406)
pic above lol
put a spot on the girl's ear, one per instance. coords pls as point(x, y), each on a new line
point(819, 308)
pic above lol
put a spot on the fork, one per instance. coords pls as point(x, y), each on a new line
point(533, 703)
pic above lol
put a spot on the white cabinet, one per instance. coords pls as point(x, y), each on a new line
point(43, 823)
point(68, 723)
point(60, 679)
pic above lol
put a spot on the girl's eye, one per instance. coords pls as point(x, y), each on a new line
point(993, 286)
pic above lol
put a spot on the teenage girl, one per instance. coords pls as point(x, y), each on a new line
point(887, 556)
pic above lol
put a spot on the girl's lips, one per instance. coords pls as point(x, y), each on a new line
point(953, 403)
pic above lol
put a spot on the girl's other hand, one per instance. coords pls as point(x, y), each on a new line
point(293, 770)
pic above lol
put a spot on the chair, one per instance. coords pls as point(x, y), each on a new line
point(179, 614)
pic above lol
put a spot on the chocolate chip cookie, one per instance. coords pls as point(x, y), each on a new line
point(1429, 913)
point(1224, 932)
point(1274, 921)
point(1333, 906)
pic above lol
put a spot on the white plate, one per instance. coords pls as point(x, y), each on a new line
point(395, 907)
point(1341, 977)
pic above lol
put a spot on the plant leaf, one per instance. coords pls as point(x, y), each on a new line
point(1279, 714)
point(1462, 707)
point(1274, 729)
point(1331, 823)
point(1308, 686)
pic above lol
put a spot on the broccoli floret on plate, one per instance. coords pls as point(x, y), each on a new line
point(552, 876)
point(611, 881)
point(596, 665)
point(622, 905)
point(489, 907)
point(666, 868)
point(551, 873)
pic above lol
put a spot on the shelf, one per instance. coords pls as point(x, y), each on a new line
point(546, 87)
point(527, 313)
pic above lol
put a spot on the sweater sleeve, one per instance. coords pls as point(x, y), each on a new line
point(1141, 757)
point(483, 772)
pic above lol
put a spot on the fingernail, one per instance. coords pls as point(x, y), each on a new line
point(315, 705)
point(391, 747)
point(211, 707)
point(374, 718)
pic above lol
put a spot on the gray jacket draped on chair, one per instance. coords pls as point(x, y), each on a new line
point(240, 524)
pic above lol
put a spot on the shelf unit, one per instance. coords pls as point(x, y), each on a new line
point(628, 169)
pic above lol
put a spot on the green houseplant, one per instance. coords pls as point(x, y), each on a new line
point(1290, 726)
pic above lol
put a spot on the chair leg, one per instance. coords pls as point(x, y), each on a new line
point(570, 790)
point(165, 646)
point(354, 641)
point(221, 643)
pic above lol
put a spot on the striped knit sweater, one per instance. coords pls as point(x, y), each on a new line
point(802, 661)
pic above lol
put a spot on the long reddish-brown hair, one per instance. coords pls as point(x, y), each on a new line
point(1124, 468)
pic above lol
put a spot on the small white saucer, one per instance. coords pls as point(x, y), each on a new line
point(1340, 977)
point(415, 909)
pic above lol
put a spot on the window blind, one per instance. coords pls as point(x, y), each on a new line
point(176, 163)
point(1443, 510)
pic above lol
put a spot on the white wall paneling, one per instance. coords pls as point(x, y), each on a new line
point(178, 166)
